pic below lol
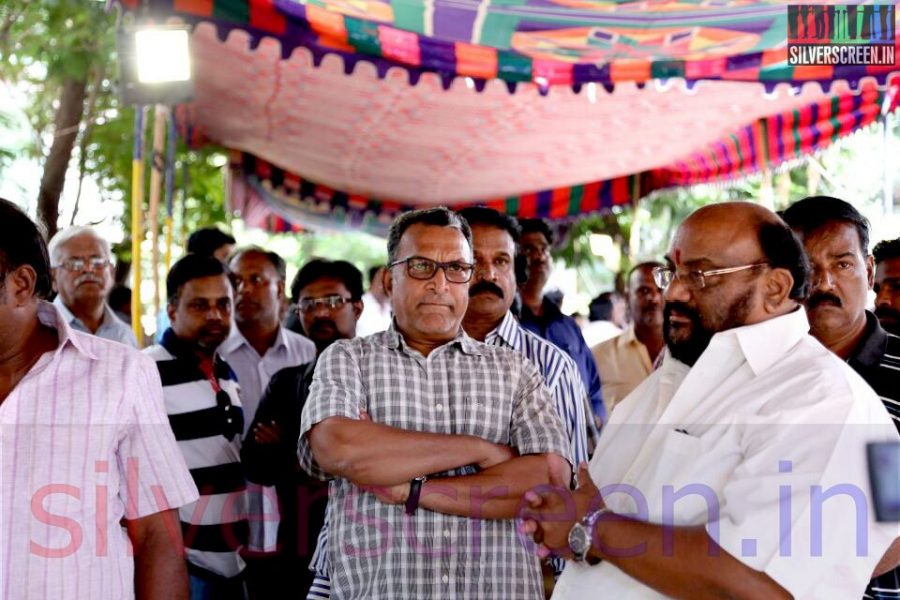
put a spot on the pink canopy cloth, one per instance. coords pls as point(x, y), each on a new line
point(333, 123)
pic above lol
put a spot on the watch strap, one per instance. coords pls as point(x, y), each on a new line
point(415, 490)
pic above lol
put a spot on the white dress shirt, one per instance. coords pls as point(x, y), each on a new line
point(253, 374)
point(374, 317)
point(254, 371)
point(740, 443)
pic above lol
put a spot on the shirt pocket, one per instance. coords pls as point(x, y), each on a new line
point(485, 412)
point(680, 492)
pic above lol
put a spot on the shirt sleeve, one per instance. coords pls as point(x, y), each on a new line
point(336, 391)
point(536, 427)
point(571, 402)
point(796, 506)
point(152, 471)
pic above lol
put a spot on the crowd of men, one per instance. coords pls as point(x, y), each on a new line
point(449, 433)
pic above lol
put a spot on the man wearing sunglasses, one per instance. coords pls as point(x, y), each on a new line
point(328, 299)
point(737, 469)
point(82, 278)
point(429, 438)
point(201, 395)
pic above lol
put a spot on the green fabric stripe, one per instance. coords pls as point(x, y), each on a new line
point(776, 72)
point(232, 10)
point(409, 15)
point(363, 35)
point(498, 30)
point(835, 122)
point(512, 67)
point(795, 132)
point(737, 146)
point(575, 196)
point(663, 69)
point(512, 205)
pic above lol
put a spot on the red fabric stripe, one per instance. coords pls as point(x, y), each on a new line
point(620, 191)
point(264, 16)
point(787, 135)
point(590, 200)
point(201, 8)
point(528, 206)
point(559, 204)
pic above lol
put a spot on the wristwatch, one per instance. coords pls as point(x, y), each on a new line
point(581, 536)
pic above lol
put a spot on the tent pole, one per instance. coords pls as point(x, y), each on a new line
point(160, 117)
point(137, 204)
point(170, 188)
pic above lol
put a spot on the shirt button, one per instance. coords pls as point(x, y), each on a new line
point(227, 408)
point(228, 421)
point(445, 578)
point(446, 533)
point(440, 407)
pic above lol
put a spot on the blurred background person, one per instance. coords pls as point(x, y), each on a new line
point(887, 284)
point(376, 315)
point(607, 318)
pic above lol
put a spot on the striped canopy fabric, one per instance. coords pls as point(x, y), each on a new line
point(345, 112)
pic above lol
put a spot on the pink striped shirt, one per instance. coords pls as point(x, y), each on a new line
point(84, 442)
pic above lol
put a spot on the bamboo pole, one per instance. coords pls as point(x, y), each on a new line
point(156, 178)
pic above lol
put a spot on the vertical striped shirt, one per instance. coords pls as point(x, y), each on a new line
point(374, 550)
point(84, 443)
point(208, 429)
point(877, 360)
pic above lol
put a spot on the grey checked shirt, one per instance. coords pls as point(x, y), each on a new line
point(463, 387)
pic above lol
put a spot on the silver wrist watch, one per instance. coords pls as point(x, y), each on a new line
point(581, 536)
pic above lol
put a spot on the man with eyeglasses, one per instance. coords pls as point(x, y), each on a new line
point(327, 295)
point(82, 278)
point(204, 408)
point(257, 348)
point(737, 469)
point(429, 438)
point(836, 238)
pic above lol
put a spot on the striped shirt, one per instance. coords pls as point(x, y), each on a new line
point(207, 424)
point(455, 390)
point(84, 442)
point(877, 360)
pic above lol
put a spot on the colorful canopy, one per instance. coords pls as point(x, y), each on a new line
point(343, 112)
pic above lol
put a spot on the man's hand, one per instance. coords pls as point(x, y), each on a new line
point(551, 511)
point(267, 434)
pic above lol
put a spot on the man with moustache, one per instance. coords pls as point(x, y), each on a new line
point(543, 317)
point(328, 297)
point(728, 471)
point(627, 359)
point(429, 437)
point(887, 284)
point(257, 348)
point(82, 278)
point(836, 236)
point(201, 396)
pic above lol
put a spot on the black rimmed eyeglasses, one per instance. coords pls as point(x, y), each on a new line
point(419, 267)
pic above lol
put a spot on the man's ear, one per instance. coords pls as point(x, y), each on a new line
point(387, 280)
point(170, 311)
point(870, 270)
point(22, 281)
point(281, 289)
point(53, 272)
point(778, 285)
point(358, 306)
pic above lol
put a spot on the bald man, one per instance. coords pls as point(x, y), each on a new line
point(737, 469)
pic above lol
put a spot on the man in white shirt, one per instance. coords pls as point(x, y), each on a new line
point(376, 315)
point(257, 348)
point(738, 468)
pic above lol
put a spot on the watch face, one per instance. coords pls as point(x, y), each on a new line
point(579, 539)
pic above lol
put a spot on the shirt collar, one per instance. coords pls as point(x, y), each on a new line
point(55, 316)
point(236, 339)
point(109, 317)
point(508, 330)
point(395, 341)
point(628, 336)
point(763, 344)
point(870, 351)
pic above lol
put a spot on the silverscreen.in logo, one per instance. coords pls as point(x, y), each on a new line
point(841, 34)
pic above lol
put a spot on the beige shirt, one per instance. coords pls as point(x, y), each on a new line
point(623, 362)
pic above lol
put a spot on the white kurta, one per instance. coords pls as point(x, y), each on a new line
point(764, 442)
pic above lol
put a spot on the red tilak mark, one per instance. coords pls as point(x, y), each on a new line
point(677, 256)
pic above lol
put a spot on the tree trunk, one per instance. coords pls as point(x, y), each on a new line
point(68, 118)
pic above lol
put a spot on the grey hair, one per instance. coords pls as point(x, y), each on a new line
point(439, 216)
point(55, 246)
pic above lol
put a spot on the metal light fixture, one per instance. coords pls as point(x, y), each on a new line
point(155, 65)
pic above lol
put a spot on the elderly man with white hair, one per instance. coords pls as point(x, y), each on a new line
point(82, 277)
